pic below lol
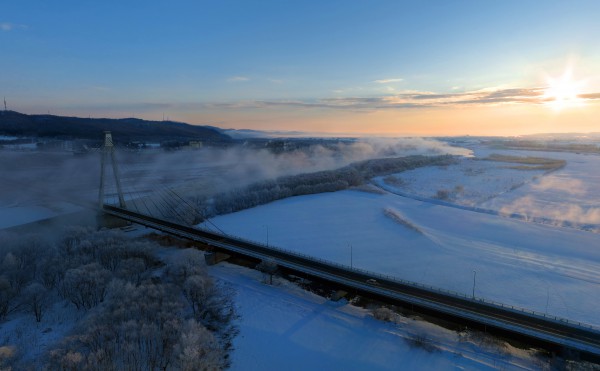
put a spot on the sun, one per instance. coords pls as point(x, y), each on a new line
point(563, 92)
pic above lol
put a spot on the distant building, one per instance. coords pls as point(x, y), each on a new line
point(195, 144)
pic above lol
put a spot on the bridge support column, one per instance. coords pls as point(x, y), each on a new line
point(104, 220)
point(215, 257)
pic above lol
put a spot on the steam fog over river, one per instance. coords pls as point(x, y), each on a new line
point(44, 184)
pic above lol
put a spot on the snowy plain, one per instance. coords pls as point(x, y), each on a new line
point(555, 268)
point(284, 327)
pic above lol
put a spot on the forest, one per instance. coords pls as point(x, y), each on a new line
point(104, 301)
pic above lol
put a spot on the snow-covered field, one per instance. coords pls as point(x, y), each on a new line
point(11, 216)
point(284, 327)
point(569, 196)
point(554, 269)
point(469, 182)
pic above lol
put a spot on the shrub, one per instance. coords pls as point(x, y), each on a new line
point(384, 314)
point(442, 194)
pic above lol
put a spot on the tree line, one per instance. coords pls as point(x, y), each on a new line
point(196, 208)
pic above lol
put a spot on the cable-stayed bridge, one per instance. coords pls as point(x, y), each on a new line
point(169, 212)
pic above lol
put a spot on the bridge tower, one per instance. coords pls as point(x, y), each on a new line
point(108, 150)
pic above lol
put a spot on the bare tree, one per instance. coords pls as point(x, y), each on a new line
point(36, 298)
point(6, 297)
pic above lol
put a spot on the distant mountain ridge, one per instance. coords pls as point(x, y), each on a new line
point(123, 130)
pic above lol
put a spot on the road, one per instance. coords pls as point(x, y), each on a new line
point(559, 333)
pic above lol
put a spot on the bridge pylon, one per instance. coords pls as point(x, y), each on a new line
point(108, 150)
point(104, 220)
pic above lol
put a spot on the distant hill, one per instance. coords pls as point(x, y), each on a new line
point(124, 130)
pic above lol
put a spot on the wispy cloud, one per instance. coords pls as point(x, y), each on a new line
point(414, 99)
point(238, 79)
point(404, 100)
point(6, 26)
point(387, 81)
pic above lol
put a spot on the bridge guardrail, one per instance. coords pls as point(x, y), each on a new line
point(456, 294)
point(516, 309)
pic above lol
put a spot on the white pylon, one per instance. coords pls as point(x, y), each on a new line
point(109, 150)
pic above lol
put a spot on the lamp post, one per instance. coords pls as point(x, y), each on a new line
point(474, 275)
point(267, 229)
point(351, 256)
point(547, 299)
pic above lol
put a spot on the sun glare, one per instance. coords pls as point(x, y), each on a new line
point(563, 92)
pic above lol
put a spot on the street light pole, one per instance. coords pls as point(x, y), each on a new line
point(474, 275)
point(351, 256)
point(267, 229)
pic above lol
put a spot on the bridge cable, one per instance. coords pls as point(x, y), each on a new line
point(197, 211)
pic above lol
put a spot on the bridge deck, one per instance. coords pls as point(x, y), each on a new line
point(547, 329)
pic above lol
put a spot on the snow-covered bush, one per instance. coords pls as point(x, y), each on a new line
point(442, 194)
point(423, 342)
point(384, 314)
point(396, 216)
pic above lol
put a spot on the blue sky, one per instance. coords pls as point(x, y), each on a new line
point(288, 65)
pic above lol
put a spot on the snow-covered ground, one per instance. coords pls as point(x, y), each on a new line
point(284, 327)
point(548, 269)
point(469, 182)
point(11, 216)
point(571, 194)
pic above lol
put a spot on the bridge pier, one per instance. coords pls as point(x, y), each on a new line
point(215, 257)
point(104, 220)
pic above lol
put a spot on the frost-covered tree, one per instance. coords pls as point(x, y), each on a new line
point(16, 272)
point(132, 270)
point(144, 318)
point(35, 296)
point(187, 263)
point(6, 297)
point(197, 349)
point(268, 267)
point(86, 286)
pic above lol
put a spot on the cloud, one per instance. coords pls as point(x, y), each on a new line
point(387, 81)
point(238, 79)
point(591, 96)
point(5, 26)
point(416, 99)
point(403, 100)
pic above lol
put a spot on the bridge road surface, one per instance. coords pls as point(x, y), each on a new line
point(559, 333)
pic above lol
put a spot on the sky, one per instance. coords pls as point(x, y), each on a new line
point(391, 68)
